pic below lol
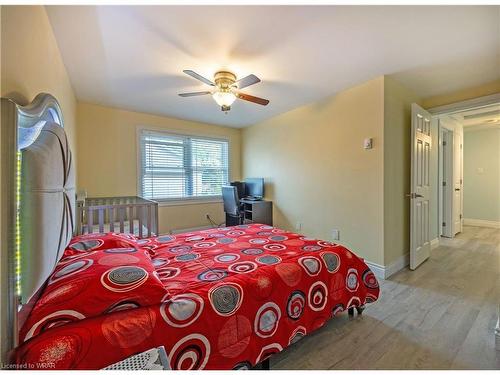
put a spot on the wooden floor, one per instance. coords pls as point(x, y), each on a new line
point(441, 316)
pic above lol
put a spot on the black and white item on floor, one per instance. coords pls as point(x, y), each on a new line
point(152, 359)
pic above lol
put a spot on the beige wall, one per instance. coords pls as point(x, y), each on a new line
point(465, 94)
point(30, 64)
point(482, 175)
point(318, 173)
point(397, 150)
point(107, 163)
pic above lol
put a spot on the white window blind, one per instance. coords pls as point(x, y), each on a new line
point(182, 167)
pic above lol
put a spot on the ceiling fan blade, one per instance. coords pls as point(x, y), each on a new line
point(198, 77)
point(252, 99)
point(186, 94)
point(247, 81)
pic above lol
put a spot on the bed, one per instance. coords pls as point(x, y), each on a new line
point(223, 298)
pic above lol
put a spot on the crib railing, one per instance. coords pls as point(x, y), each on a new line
point(134, 215)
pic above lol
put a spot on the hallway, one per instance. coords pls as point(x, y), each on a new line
point(441, 316)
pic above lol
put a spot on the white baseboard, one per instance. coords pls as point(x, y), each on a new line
point(497, 335)
point(384, 272)
point(482, 223)
point(435, 243)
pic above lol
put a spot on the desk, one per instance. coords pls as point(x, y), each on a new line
point(258, 211)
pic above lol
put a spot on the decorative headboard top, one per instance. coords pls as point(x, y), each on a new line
point(41, 212)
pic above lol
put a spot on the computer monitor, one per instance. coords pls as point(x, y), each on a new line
point(254, 187)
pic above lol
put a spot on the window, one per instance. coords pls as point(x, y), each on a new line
point(182, 167)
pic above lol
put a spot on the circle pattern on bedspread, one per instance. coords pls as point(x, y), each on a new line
point(226, 299)
point(278, 238)
point(311, 265)
point(227, 258)
point(332, 261)
point(86, 245)
point(295, 305)
point(187, 257)
point(168, 272)
point(165, 239)
point(121, 306)
point(180, 249)
point(337, 309)
point(160, 262)
point(274, 247)
point(351, 281)
point(242, 267)
point(268, 259)
point(268, 351)
point(326, 244)
point(252, 251)
point(123, 279)
point(60, 350)
point(212, 275)
point(190, 353)
point(121, 250)
point(267, 319)
point(226, 240)
point(70, 269)
point(243, 366)
point(55, 319)
point(204, 245)
point(297, 334)
point(128, 330)
point(182, 309)
point(318, 295)
point(370, 280)
point(258, 241)
point(311, 247)
point(234, 336)
point(290, 273)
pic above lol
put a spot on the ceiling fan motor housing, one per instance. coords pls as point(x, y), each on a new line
point(224, 80)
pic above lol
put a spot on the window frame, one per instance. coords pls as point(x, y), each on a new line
point(182, 134)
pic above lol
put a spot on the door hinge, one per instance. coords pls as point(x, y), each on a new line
point(460, 216)
point(460, 181)
point(444, 224)
point(444, 143)
point(444, 183)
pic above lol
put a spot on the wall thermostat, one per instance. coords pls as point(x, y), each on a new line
point(368, 143)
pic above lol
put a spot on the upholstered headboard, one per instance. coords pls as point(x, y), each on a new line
point(47, 209)
point(41, 212)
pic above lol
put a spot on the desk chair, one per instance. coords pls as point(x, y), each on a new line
point(234, 215)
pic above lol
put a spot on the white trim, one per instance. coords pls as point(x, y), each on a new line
point(435, 243)
point(187, 202)
point(482, 223)
point(463, 105)
point(497, 334)
point(193, 229)
point(384, 272)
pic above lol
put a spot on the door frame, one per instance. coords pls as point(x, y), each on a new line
point(445, 180)
point(449, 109)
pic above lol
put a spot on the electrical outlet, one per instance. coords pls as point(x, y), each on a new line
point(298, 226)
point(335, 234)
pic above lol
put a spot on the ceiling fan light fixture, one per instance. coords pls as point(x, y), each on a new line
point(224, 98)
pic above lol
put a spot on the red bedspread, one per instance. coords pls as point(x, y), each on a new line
point(216, 299)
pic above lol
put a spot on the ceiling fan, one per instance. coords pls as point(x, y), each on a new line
point(226, 88)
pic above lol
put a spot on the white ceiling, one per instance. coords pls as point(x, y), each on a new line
point(132, 57)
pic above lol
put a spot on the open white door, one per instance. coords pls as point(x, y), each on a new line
point(420, 223)
point(457, 182)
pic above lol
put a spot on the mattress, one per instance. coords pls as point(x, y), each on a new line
point(224, 298)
